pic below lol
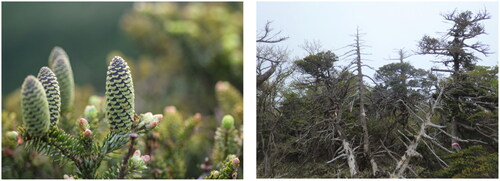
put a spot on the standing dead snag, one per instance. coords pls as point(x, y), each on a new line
point(356, 52)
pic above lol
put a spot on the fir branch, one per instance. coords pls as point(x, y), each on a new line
point(225, 140)
point(113, 142)
point(228, 170)
point(56, 144)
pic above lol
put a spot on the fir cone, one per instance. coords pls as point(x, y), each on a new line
point(119, 96)
point(49, 82)
point(56, 51)
point(62, 69)
point(35, 107)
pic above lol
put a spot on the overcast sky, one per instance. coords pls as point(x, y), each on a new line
point(387, 26)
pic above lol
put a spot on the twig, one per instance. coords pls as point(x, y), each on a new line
point(131, 149)
point(340, 156)
point(461, 140)
point(434, 153)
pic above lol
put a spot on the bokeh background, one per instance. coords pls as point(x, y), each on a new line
point(177, 53)
point(87, 31)
point(194, 44)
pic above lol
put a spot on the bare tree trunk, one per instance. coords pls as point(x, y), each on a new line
point(362, 114)
point(349, 152)
point(351, 159)
point(411, 151)
point(262, 78)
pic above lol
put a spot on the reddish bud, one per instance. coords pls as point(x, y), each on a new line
point(159, 117)
point(87, 133)
point(84, 124)
point(146, 158)
point(137, 153)
point(236, 161)
point(152, 125)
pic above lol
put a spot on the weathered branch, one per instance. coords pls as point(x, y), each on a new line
point(267, 38)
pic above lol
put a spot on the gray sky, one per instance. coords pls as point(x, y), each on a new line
point(387, 26)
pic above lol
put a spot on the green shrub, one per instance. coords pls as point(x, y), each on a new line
point(473, 162)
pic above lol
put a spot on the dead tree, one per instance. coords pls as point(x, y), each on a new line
point(356, 52)
point(343, 90)
point(269, 57)
point(270, 77)
point(334, 88)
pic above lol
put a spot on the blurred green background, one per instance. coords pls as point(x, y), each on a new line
point(87, 31)
point(192, 45)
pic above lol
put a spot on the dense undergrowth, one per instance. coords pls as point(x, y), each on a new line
point(320, 117)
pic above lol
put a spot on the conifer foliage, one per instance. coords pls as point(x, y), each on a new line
point(41, 102)
point(110, 131)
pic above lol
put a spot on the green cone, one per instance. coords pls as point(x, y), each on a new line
point(49, 83)
point(119, 96)
point(35, 108)
point(228, 122)
point(56, 51)
point(62, 69)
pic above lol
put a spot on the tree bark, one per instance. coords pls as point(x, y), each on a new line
point(262, 78)
point(348, 151)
